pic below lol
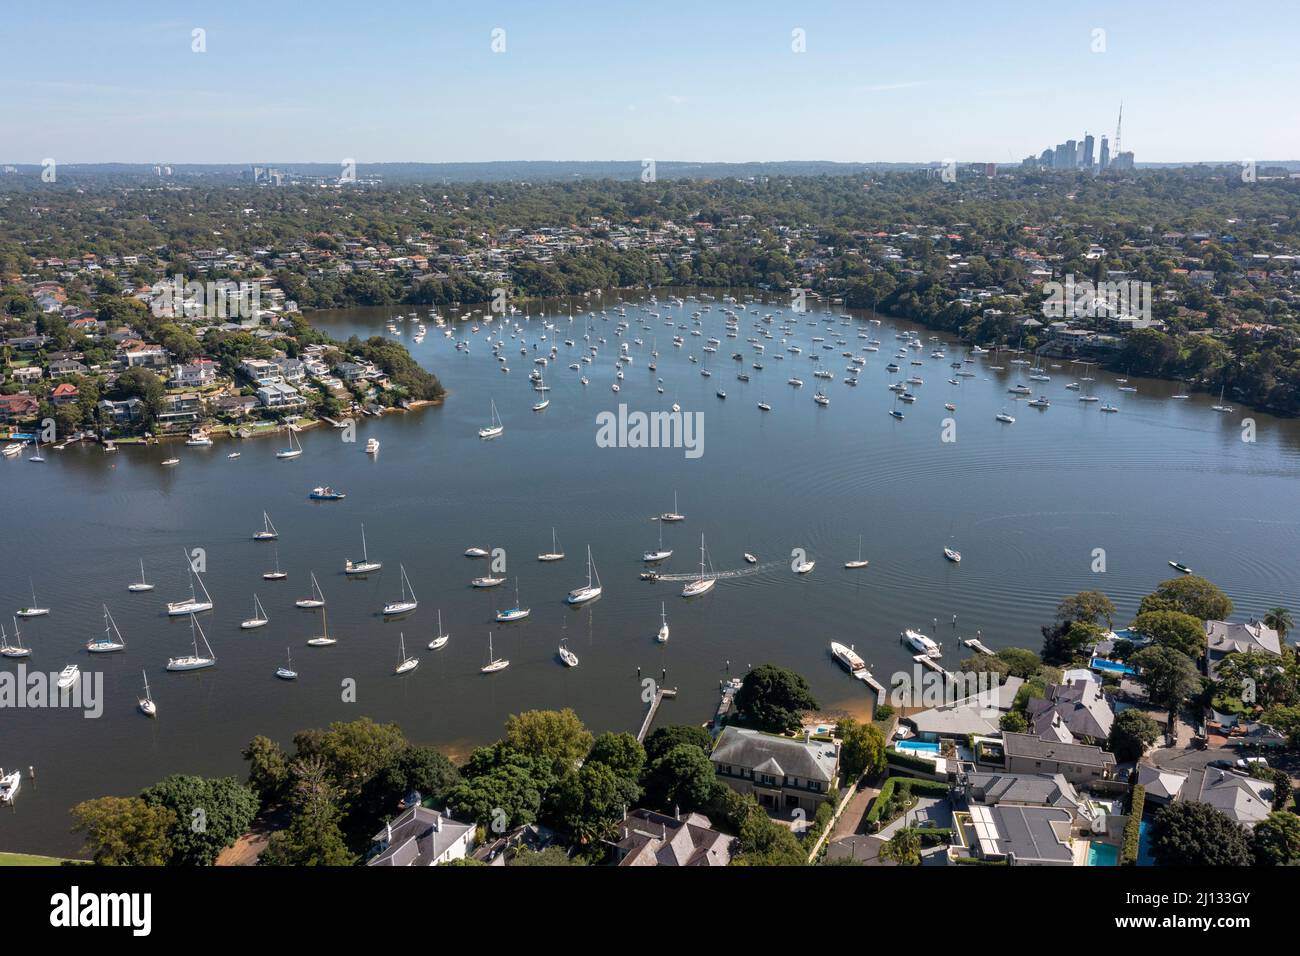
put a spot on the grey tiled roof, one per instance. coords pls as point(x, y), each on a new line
point(778, 756)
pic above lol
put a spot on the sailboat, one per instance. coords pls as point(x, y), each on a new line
point(952, 555)
point(661, 554)
point(37, 457)
point(193, 605)
point(112, 639)
point(405, 664)
point(13, 650)
point(259, 618)
point(294, 449)
point(516, 613)
point(365, 565)
point(1220, 407)
point(195, 661)
point(860, 561)
point(145, 703)
point(317, 598)
point(442, 638)
point(35, 610)
point(323, 639)
point(142, 584)
point(268, 532)
point(555, 554)
point(673, 515)
point(407, 603)
point(494, 664)
point(570, 659)
point(662, 637)
point(286, 671)
point(700, 585)
point(494, 429)
point(542, 388)
point(581, 595)
point(277, 574)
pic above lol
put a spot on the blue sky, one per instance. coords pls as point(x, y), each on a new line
point(379, 80)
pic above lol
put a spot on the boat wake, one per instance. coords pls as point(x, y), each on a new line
point(742, 572)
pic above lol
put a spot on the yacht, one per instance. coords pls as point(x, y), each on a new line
point(326, 493)
point(570, 659)
point(848, 657)
point(1002, 416)
point(9, 785)
point(701, 585)
point(516, 613)
point(293, 451)
point(441, 638)
point(673, 515)
point(1111, 409)
point(195, 661)
point(803, 567)
point(555, 554)
point(112, 639)
point(495, 428)
point(662, 636)
point(661, 554)
point(68, 676)
point(365, 565)
point(317, 598)
point(259, 618)
point(372, 446)
point(922, 644)
point(860, 561)
point(268, 532)
point(581, 595)
point(476, 552)
point(1179, 566)
point(142, 584)
point(494, 664)
point(407, 602)
point(1039, 402)
point(286, 671)
point(952, 555)
point(322, 639)
point(145, 703)
point(277, 574)
point(16, 649)
point(193, 605)
point(749, 558)
point(405, 664)
point(34, 609)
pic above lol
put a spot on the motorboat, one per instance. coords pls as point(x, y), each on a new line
point(922, 644)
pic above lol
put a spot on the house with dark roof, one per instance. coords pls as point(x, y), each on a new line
point(782, 773)
point(1224, 637)
point(1026, 819)
point(1078, 707)
point(646, 838)
point(1078, 763)
point(422, 837)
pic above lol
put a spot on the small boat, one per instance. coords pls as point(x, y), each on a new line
point(592, 590)
point(1110, 409)
point(662, 553)
point(372, 446)
point(34, 610)
point(13, 650)
point(407, 602)
point(286, 671)
point(1005, 418)
point(268, 532)
point(673, 515)
point(951, 555)
point(701, 585)
point(326, 493)
point(476, 552)
point(405, 664)
point(365, 565)
point(950, 406)
point(803, 567)
point(1179, 566)
point(821, 399)
point(322, 639)
point(662, 636)
point(142, 584)
point(277, 574)
point(860, 561)
point(922, 644)
point(570, 659)
point(193, 605)
point(487, 581)
point(233, 455)
point(259, 618)
point(112, 639)
point(494, 664)
point(171, 461)
point(195, 661)
point(495, 428)
point(9, 785)
point(763, 406)
point(317, 598)
point(441, 639)
point(516, 613)
point(750, 558)
point(145, 703)
point(555, 554)
point(295, 447)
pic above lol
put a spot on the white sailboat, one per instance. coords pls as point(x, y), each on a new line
point(295, 447)
point(193, 605)
point(35, 610)
point(365, 565)
point(407, 603)
point(286, 672)
point(555, 554)
point(268, 532)
point(442, 638)
point(277, 574)
point(662, 637)
point(142, 584)
point(661, 553)
point(322, 639)
point(405, 664)
point(494, 664)
point(112, 639)
point(259, 618)
point(673, 515)
point(145, 703)
point(581, 595)
point(16, 649)
point(494, 429)
point(195, 661)
point(317, 598)
point(516, 613)
point(860, 561)
point(1219, 406)
point(952, 555)
point(702, 584)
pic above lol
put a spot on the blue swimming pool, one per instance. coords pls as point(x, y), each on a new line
point(916, 746)
point(1110, 667)
point(1103, 854)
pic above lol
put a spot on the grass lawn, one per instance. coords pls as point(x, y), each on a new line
point(26, 859)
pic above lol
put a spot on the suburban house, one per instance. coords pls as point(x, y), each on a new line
point(1223, 638)
point(65, 393)
point(127, 410)
point(1025, 819)
point(1243, 798)
point(646, 838)
point(1078, 763)
point(194, 374)
point(280, 395)
point(421, 837)
point(978, 715)
point(17, 408)
point(1077, 708)
point(783, 773)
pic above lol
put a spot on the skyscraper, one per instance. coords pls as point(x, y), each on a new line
point(1071, 154)
point(1104, 160)
point(1087, 151)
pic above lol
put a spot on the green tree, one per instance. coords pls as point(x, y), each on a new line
point(659, 742)
point(903, 848)
point(1131, 734)
point(1190, 594)
point(1168, 677)
point(1197, 834)
point(1276, 839)
point(268, 769)
point(1069, 640)
point(682, 779)
point(314, 837)
point(211, 814)
point(622, 753)
point(1279, 619)
point(1086, 607)
point(1013, 722)
point(353, 751)
point(125, 831)
point(592, 800)
point(1022, 663)
point(773, 698)
point(556, 737)
point(764, 842)
point(1173, 629)
point(862, 749)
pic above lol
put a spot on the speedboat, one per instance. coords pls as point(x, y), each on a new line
point(1179, 566)
point(68, 676)
point(922, 644)
point(326, 493)
point(803, 567)
point(9, 785)
point(951, 555)
point(750, 558)
point(476, 553)
point(1004, 417)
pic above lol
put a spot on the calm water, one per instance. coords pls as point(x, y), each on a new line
point(1026, 504)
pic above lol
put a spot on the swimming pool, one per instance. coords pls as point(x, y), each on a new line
point(916, 746)
point(1111, 667)
point(1103, 854)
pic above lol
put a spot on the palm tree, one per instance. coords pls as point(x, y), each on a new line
point(903, 848)
point(1279, 619)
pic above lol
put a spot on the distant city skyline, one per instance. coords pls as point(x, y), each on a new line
point(582, 81)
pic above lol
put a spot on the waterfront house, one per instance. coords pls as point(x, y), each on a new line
point(1079, 707)
point(646, 838)
point(1078, 763)
point(978, 714)
point(195, 374)
point(421, 837)
point(1223, 638)
point(184, 407)
point(65, 393)
point(782, 773)
point(17, 408)
point(280, 395)
point(1025, 819)
point(27, 374)
point(123, 412)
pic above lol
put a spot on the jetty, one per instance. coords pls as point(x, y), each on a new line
point(975, 644)
point(660, 694)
